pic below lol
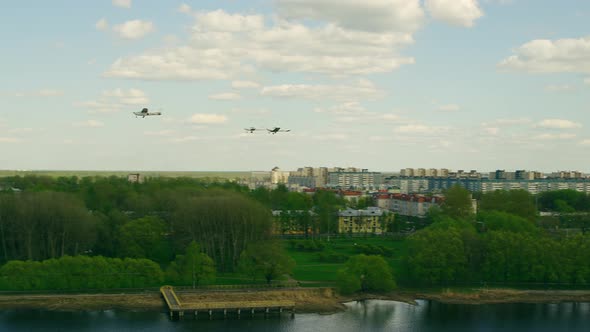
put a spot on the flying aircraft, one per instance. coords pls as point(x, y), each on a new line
point(277, 130)
point(251, 130)
point(144, 112)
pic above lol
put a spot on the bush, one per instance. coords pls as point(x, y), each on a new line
point(332, 257)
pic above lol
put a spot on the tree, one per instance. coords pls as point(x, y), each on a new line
point(502, 221)
point(193, 267)
point(224, 223)
point(267, 259)
point(457, 203)
point(436, 256)
point(516, 202)
point(366, 274)
point(144, 238)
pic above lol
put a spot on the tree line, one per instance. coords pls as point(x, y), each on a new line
point(502, 243)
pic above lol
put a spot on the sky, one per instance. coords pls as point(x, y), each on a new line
point(377, 84)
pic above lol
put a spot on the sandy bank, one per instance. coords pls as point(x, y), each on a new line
point(307, 300)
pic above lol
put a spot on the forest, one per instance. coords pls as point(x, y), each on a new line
point(107, 232)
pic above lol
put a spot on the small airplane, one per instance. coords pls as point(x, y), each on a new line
point(277, 130)
point(251, 130)
point(144, 112)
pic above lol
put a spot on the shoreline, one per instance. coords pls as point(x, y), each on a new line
point(307, 300)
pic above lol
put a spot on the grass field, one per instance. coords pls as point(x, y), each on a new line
point(82, 173)
point(310, 271)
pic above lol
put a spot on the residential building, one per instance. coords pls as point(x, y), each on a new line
point(372, 220)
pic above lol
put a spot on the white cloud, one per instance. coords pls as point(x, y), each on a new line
point(244, 85)
point(548, 136)
point(585, 142)
point(548, 56)
point(331, 137)
point(449, 108)
point(225, 96)
point(134, 29)
point(202, 118)
point(122, 3)
point(360, 90)
point(160, 133)
point(377, 15)
point(558, 124)
point(412, 129)
point(419, 129)
point(390, 117)
point(184, 8)
point(39, 93)
point(128, 97)
point(493, 131)
point(89, 124)
point(115, 100)
point(347, 108)
point(559, 88)
point(9, 139)
point(21, 130)
point(223, 46)
point(184, 139)
point(461, 13)
point(102, 25)
point(508, 122)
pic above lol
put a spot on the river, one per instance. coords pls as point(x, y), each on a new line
point(361, 316)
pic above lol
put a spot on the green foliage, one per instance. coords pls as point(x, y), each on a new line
point(366, 274)
point(327, 204)
point(41, 225)
point(80, 272)
point(223, 223)
point(193, 268)
point(436, 256)
point(307, 245)
point(265, 259)
point(502, 221)
point(144, 238)
point(457, 203)
point(564, 201)
point(516, 202)
point(369, 249)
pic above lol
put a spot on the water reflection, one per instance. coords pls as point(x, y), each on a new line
point(371, 315)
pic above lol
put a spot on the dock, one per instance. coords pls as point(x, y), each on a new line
point(237, 308)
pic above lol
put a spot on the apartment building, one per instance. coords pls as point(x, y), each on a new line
point(372, 220)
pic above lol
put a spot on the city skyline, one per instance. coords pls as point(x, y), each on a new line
point(488, 84)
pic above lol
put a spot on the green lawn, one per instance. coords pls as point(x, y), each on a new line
point(310, 271)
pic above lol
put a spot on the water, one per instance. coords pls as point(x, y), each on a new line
point(361, 316)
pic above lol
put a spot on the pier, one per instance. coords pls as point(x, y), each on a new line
point(235, 308)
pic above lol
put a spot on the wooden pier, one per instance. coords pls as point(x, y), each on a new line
point(236, 308)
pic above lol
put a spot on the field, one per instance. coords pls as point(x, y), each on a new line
point(81, 173)
point(310, 271)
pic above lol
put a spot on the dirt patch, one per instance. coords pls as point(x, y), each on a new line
point(320, 300)
point(484, 296)
point(307, 300)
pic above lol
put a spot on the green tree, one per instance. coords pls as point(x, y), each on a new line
point(267, 259)
point(144, 238)
point(457, 203)
point(366, 274)
point(194, 267)
point(502, 221)
point(516, 202)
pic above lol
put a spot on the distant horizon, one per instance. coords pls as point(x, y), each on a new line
point(282, 169)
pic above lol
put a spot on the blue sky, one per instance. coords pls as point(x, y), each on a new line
point(378, 84)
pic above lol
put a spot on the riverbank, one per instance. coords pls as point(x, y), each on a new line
point(307, 300)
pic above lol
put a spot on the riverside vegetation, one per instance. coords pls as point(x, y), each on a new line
point(101, 233)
